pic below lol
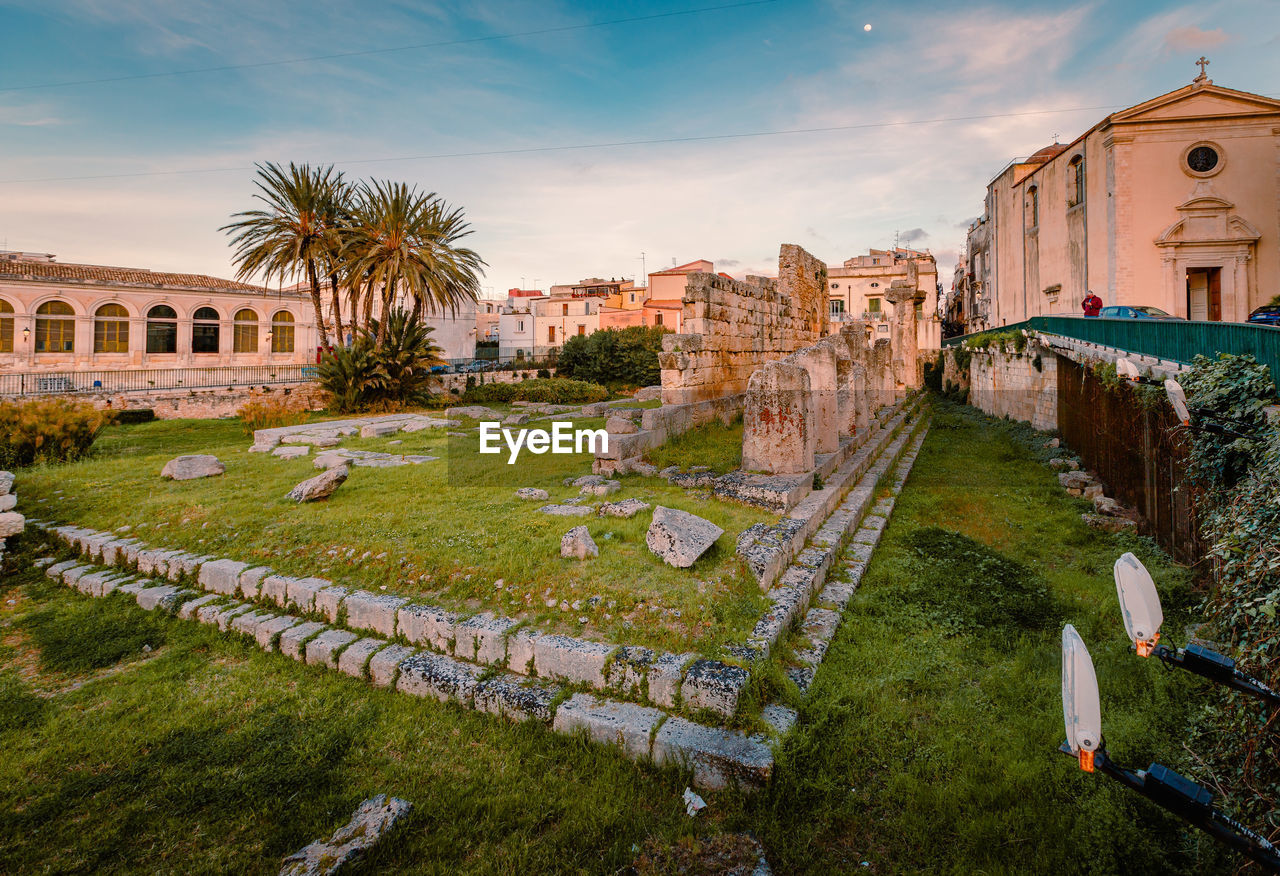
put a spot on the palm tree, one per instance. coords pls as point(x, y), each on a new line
point(289, 236)
point(403, 239)
point(335, 217)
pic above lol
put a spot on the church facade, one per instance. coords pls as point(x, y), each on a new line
point(1173, 203)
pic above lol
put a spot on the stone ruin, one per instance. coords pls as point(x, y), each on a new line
point(732, 327)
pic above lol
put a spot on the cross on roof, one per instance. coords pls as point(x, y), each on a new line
point(1203, 62)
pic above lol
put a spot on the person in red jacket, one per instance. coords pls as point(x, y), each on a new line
point(1092, 304)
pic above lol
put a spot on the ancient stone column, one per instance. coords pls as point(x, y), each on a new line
point(820, 361)
point(903, 295)
point(777, 426)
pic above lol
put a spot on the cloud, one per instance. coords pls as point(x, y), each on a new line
point(911, 235)
point(1193, 39)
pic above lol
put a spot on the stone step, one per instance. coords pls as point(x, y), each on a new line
point(717, 758)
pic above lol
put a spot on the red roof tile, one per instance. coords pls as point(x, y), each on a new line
point(102, 274)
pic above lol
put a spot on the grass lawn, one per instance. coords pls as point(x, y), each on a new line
point(450, 531)
point(926, 744)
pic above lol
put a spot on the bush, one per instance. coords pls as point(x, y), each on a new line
point(271, 413)
point(48, 430)
point(554, 390)
point(1239, 389)
point(366, 376)
point(613, 357)
point(135, 415)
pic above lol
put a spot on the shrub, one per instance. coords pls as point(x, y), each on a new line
point(368, 376)
point(613, 357)
point(135, 415)
point(48, 430)
point(554, 390)
point(271, 413)
point(1239, 389)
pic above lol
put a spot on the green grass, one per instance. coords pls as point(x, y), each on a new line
point(924, 746)
point(447, 531)
point(712, 445)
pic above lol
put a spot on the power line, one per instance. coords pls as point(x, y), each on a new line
point(527, 150)
point(367, 52)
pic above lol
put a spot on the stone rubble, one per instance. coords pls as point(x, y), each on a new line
point(679, 538)
point(577, 544)
point(322, 486)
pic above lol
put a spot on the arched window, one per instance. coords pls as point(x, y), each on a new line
point(282, 332)
point(162, 329)
point(204, 330)
point(1033, 207)
point(244, 333)
point(111, 329)
point(6, 326)
point(1075, 181)
point(55, 328)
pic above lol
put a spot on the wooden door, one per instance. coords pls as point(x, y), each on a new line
point(1215, 294)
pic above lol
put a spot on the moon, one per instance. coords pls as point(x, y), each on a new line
point(866, 27)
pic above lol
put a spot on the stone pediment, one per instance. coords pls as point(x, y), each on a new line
point(1198, 101)
point(1207, 218)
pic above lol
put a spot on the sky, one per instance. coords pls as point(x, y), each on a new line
point(120, 146)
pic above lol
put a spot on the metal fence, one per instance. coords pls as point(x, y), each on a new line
point(66, 382)
point(1176, 340)
point(1139, 453)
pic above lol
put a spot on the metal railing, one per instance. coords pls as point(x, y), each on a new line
point(72, 382)
point(1175, 340)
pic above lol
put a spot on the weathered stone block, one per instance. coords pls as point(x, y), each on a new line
point(678, 537)
point(251, 581)
point(301, 592)
point(515, 699)
point(275, 588)
point(352, 661)
point(710, 684)
point(368, 611)
point(718, 758)
point(571, 659)
point(292, 640)
point(665, 675)
point(438, 676)
point(166, 597)
point(520, 647)
point(384, 667)
point(778, 424)
point(222, 576)
point(628, 670)
point(626, 725)
point(483, 639)
point(267, 632)
point(427, 625)
point(323, 649)
point(187, 611)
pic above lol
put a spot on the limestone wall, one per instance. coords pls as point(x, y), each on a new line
point(198, 404)
point(732, 327)
point(1019, 385)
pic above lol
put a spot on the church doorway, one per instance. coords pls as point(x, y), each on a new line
point(1204, 294)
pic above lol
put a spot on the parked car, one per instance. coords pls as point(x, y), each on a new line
point(1124, 311)
point(441, 369)
point(1267, 314)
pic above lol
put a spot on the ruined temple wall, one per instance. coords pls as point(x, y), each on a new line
point(732, 327)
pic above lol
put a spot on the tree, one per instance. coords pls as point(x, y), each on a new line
point(290, 236)
point(400, 239)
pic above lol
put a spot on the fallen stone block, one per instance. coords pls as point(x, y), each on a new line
point(1110, 524)
point(577, 544)
point(372, 820)
point(186, 468)
point(322, 486)
point(532, 494)
point(11, 523)
point(680, 538)
point(439, 677)
point(567, 510)
point(292, 451)
point(626, 508)
point(293, 640)
point(379, 430)
point(626, 725)
point(6, 482)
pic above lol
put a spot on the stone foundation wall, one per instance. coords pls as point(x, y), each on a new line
point(732, 327)
point(450, 382)
point(198, 404)
point(1005, 383)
